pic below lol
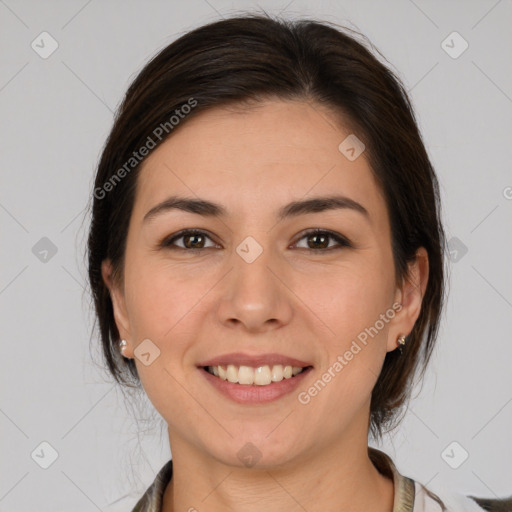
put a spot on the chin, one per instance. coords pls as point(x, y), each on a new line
point(258, 451)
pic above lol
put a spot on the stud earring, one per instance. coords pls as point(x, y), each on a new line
point(401, 342)
point(123, 345)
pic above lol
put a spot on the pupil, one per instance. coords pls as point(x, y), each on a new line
point(189, 237)
point(323, 237)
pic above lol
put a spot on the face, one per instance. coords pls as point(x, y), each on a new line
point(254, 286)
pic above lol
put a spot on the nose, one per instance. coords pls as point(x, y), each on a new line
point(254, 295)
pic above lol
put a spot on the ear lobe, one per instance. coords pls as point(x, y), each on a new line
point(118, 301)
point(410, 296)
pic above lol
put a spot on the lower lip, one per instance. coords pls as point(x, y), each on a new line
point(253, 394)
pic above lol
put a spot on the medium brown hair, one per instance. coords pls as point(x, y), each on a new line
point(251, 58)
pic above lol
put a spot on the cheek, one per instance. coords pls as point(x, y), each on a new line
point(161, 299)
point(352, 298)
point(159, 306)
point(351, 304)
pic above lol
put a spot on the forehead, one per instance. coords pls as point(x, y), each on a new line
point(257, 158)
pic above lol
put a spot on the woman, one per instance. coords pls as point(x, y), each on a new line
point(265, 235)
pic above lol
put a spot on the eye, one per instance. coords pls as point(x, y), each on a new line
point(320, 240)
point(192, 239)
point(196, 239)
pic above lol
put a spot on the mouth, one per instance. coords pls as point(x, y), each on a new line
point(264, 375)
point(255, 379)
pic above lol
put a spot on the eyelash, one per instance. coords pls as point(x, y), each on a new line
point(343, 242)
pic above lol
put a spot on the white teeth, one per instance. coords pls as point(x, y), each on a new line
point(260, 376)
point(246, 375)
point(277, 373)
point(232, 373)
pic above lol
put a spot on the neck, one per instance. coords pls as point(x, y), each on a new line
point(341, 480)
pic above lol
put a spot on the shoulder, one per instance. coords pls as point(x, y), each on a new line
point(453, 501)
point(413, 496)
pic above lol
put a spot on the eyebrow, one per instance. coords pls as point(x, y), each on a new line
point(293, 209)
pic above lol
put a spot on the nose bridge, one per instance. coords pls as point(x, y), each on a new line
point(253, 295)
point(251, 267)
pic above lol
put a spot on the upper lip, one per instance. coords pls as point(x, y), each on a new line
point(241, 359)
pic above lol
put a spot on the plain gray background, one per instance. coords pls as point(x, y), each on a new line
point(57, 112)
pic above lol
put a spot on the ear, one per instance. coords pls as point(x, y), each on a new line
point(119, 305)
point(410, 296)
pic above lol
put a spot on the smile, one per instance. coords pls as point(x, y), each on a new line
point(255, 385)
point(259, 376)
